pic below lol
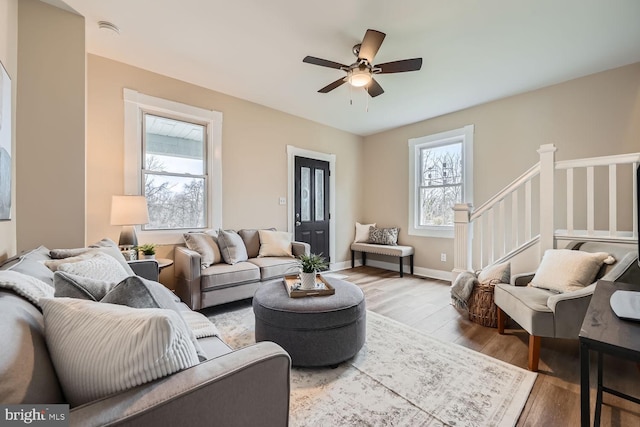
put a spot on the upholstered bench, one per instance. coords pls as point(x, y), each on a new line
point(315, 331)
point(397, 251)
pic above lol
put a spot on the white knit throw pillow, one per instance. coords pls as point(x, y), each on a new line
point(564, 270)
point(98, 267)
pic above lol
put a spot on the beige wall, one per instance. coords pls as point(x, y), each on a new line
point(50, 128)
point(9, 58)
point(254, 140)
point(591, 116)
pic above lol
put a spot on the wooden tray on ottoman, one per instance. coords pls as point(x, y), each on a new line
point(292, 283)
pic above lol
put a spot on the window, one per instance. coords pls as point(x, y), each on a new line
point(440, 174)
point(173, 157)
point(174, 173)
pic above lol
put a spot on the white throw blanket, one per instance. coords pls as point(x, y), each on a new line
point(200, 324)
point(27, 286)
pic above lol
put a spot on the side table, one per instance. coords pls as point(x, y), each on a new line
point(603, 332)
point(164, 263)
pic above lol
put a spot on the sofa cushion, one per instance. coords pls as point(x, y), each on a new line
point(495, 273)
point(106, 246)
point(362, 232)
point(564, 270)
point(26, 286)
point(74, 286)
point(231, 246)
point(99, 349)
point(275, 243)
point(225, 275)
point(527, 306)
point(273, 267)
point(26, 371)
point(383, 236)
point(99, 267)
point(251, 239)
point(137, 292)
point(31, 264)
point(206, 246)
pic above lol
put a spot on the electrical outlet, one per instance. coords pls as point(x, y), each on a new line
point(443, 257)
point(283, 200)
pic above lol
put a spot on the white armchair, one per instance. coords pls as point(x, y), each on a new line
point(544, 313)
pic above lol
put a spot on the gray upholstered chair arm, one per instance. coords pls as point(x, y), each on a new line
point(147, 268)
point(522, 279)
point(248, 387)
point(300, 248)
point(187, 270)
point(569, 310)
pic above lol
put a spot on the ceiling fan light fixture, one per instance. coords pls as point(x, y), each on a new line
point(359, 77)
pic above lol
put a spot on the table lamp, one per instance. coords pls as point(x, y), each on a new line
point(129, 211)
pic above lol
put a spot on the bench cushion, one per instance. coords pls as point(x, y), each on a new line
point(382, 249)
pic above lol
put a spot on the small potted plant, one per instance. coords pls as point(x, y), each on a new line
point(148, 250)
point(310, 264)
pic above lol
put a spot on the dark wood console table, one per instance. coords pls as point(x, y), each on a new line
point(603, 332)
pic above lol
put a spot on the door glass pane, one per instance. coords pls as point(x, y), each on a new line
point(305, 194)
point(319, 195)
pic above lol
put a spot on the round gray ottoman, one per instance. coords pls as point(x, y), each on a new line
point(315, 331)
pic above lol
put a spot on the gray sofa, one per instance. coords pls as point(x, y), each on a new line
point(221, 282)
point(249, 386)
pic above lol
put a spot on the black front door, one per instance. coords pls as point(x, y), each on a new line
point(312, 204)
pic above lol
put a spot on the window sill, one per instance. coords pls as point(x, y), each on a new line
point(439, 232)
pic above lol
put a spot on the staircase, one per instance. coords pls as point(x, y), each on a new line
point(590, 199)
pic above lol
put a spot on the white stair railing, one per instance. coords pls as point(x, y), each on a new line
point(515, 219)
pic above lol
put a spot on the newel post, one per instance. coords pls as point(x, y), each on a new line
point(547, 187)
point(462, 239)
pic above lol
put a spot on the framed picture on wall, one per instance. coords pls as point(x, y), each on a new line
point(5, 144)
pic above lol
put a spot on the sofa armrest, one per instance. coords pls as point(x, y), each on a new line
point(147, 268)
point(247, 387)
point(300, 248)
point(187, 269)
point(569, 309)
point(522, 279)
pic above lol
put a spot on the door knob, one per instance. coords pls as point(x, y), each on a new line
point(298, 223)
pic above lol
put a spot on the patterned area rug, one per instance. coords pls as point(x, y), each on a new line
point(401, 377)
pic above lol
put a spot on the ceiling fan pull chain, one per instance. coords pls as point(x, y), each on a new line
point(350, 95)
point(366, 108)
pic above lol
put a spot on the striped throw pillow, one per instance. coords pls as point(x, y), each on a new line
point(98, 349)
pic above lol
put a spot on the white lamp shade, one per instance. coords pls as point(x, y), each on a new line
point(129, 210)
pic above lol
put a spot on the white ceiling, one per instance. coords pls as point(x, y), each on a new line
point(474, 51)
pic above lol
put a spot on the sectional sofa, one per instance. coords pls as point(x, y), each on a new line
point(249, 386)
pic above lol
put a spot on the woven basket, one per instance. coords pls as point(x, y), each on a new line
point(482, 309)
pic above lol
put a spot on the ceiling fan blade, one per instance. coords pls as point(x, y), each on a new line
point(370, 45)
point(374, 88)
point(400, 66)
point(322, 62)
point(332, 86)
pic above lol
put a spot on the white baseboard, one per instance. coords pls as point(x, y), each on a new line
point(417, 271)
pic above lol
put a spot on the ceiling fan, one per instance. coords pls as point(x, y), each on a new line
point(361, 72)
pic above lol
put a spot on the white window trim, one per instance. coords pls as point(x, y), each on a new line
point(134, 104)
point(464, 135)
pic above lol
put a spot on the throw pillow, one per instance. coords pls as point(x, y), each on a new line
point(99, 267)
point(53, 264)
point(362, 232)
point(99, 349)
point(31, 264)
point(106, 246)
point(383, 236)
point(496, 273)
point(26, 286)
point(275, 243)
point(137, 292)
point(231, 247)
point(204, 244)
point(564, 270)
point(73, 286)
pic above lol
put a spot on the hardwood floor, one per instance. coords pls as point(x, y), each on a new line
point(424, 304)
point(555, 399)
